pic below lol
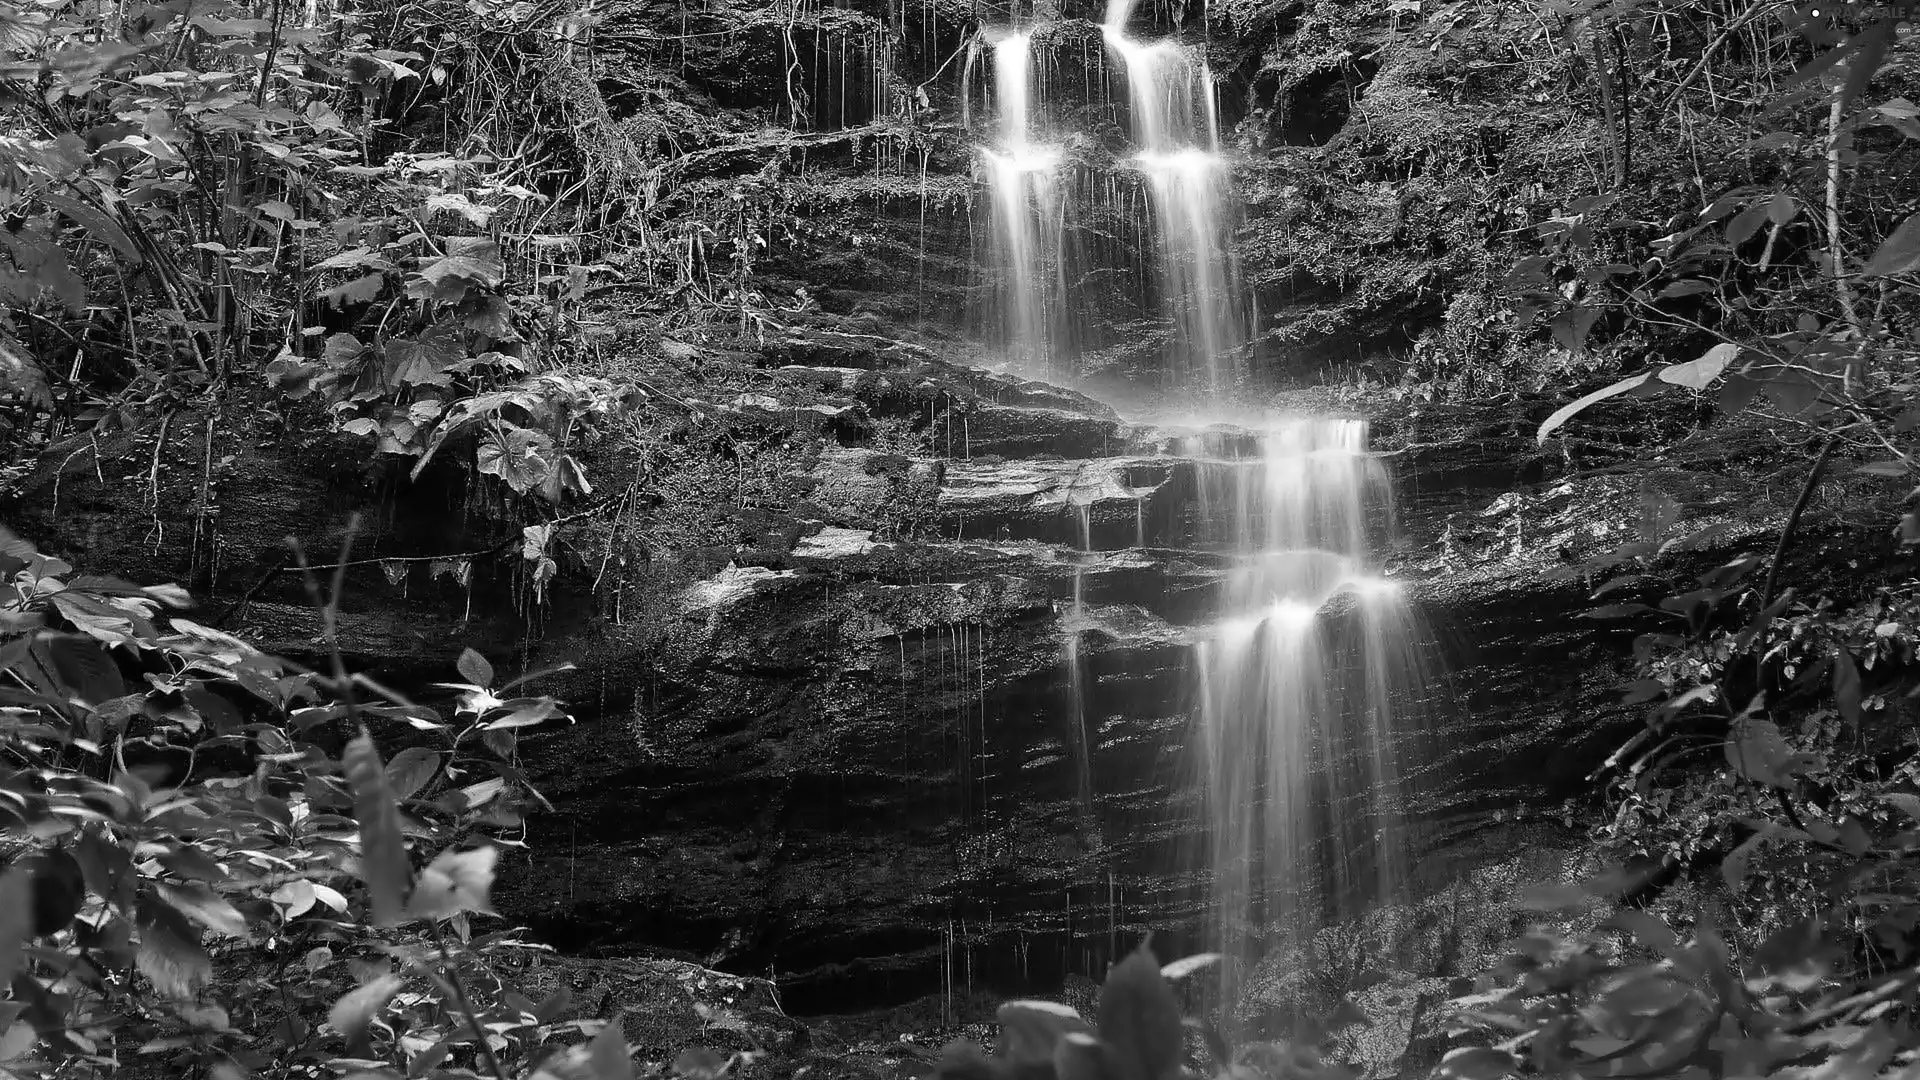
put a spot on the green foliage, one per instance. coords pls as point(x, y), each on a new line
point(212, 868)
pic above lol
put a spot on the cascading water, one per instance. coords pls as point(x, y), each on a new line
point(1022, 178)
point(1297, 683)
point(1186, 176)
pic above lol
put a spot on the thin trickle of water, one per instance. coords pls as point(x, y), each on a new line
point(1071, 631)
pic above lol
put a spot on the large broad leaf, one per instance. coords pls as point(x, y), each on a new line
point(470, 261)
point(1570, 328)
point(170, 954)
point(1140, 1020)
point(607, 1056)
point(201, 904)
point(1568, 412)
point(1758, 751)
point(83, 668)
point(410, 770)
point(383, 850)
point(1899, 252)
point(98, 224)
point(520, 456)
point(423, 360)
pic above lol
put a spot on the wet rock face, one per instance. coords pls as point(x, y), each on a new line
point(855, 764)
point(852, 762)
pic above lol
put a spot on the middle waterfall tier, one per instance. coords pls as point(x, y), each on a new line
point(1297, 684)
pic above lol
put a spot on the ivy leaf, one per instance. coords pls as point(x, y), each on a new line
point(1899, 252)
point(353, 259)
point(1140, 1019)
point(383, 850)
point(343, 350)
point(1568, 412)
point(455, 882)
point(1570, 328)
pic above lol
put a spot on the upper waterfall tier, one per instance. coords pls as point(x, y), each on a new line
point(1170, 265)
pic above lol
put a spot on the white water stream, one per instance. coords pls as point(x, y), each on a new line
point(1294, 683)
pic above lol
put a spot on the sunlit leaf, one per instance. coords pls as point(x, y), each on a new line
point(353, 1014)
point(455, 882)
point(1029, 1030)
point(1568, 412)
point(1697, 374)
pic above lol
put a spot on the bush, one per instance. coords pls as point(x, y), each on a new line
point(212, 866)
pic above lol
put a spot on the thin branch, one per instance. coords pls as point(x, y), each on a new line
point(1793, 518)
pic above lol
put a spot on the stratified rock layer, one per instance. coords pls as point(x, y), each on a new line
point(848, 759)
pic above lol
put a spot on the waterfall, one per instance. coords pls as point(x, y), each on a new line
point(1175, 156)
point(1022, 179)
point(1296, 683)
point(1179, 155)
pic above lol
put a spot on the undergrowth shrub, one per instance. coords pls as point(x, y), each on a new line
point(212, 867)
